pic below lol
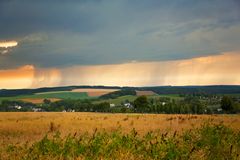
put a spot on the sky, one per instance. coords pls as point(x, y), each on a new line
point(124, 42)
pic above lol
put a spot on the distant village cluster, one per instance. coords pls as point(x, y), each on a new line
point(142, 104)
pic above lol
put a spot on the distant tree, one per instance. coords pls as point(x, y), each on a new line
point(141, 104)
point(47, 101)
point(119, 93)
point(237, 107)
point(102, 107)
point(227, 103)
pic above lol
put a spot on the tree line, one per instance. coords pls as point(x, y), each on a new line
point(142, 104)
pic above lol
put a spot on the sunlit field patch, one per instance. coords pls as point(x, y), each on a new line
point(39, 100)
point(94, 92)
point(145, 93)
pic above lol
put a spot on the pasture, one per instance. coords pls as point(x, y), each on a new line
point(131, 98)
point(86, 93)
point(60, 95)
point(54, 96)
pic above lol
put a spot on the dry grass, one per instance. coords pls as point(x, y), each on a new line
point(95, 92)
point(39, 100)
point(29, 127)
point(145, 93)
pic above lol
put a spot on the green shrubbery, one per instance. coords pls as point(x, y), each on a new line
point(119, 93)
point(142, 104)
point(208, 142)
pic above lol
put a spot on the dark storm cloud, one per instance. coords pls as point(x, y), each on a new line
point(64, 33)
point(24, 17)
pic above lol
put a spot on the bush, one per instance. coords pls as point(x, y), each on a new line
point(227, 103)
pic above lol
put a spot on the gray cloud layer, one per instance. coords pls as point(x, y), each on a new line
point(64, 33)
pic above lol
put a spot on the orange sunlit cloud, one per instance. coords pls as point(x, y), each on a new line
point(209, 70)
point(17, 78)
point(28, 76)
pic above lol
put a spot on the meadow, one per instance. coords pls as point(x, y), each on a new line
point(118, 136)
point(85, 94)
point(54, 96)
point(131, 98)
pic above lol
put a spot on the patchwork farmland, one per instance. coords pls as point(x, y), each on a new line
point(124, 127)
point(85, 93)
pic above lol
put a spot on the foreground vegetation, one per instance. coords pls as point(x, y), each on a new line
point(210, 141)
point(49, 135)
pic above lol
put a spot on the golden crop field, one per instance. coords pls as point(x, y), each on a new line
point(94, 92)
point(39, 100)
point(145, 93)
point(31, 126)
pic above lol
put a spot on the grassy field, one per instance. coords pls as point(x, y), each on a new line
point(85, 94)
point(50, 95)
point(119, 100)
point(91, 93)
point(58, 95)
point(131, 98)
point(117, 136)
point(61, 95)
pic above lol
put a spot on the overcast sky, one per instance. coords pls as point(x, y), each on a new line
point(60, 34)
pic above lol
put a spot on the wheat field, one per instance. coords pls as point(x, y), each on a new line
point(19, 128)
point(91, 92)
point(39, 100)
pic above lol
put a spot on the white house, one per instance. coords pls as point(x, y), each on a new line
point(18, 107)
point(128, 105)
point(219, 109)
point(37, 109)
point(112, 105)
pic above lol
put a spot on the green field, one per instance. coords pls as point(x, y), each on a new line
point(131, 98)
point(59, 95)
point(119, 100)
point(78, 95)
point(172, 96)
